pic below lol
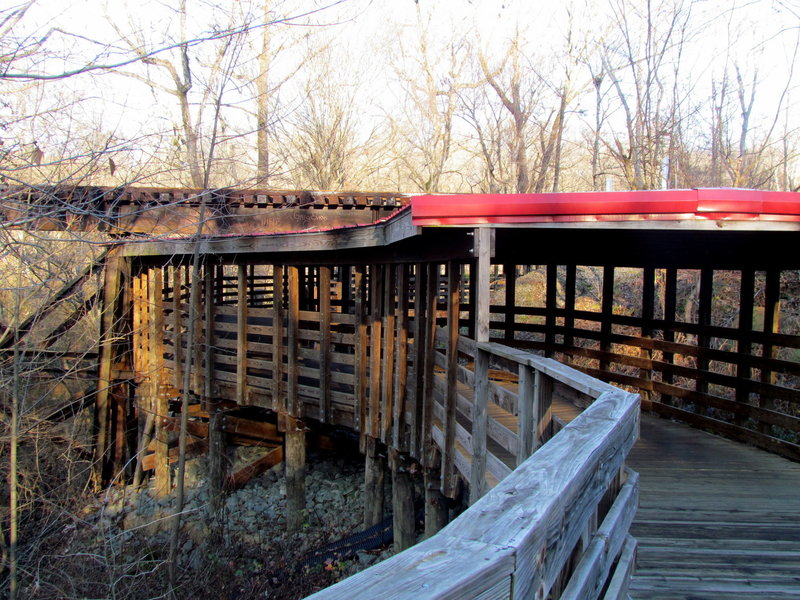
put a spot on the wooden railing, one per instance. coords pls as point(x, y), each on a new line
point(556, 527)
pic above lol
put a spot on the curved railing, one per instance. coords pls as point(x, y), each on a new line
point(557, 526)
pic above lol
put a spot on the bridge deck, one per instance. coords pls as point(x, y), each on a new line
point(716, 519)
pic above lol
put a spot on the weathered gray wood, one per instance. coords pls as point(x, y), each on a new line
point(705, 526)
point(528, 412)
point(400, 384)
point(292, 341)
point(449, 421)
point(436, 510)
point(438, 568)
point(388, 353)
point(325, 343)
point(556, 490)
point(374, 475)
point(376, 323)
point(241, 335)
point(279, 403)
point(477, 479)
point(360, 364)
point(295, 457)
point(592, 573)
point(620, 581)
point(403, 513)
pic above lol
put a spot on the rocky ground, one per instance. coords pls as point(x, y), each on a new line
point(250, 555)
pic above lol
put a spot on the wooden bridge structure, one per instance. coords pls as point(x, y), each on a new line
point(471, 337)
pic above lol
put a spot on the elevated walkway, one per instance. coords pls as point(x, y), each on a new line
point(716, 518)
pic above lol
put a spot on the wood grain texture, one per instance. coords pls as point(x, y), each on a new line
point(717, 519)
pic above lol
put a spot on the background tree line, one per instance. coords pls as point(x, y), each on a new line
point(418, 97)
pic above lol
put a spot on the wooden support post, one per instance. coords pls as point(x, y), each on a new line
point(670, 305)
point(607, 310)
point(480, 418)
point(772, 320)
point(376, 297)
point(704, 319)
point(551, 298)
point(448, 455)
point(744, 346)
point(293, 325)
point(241, 336)
point(543, 428)
point(200, 337)
point(216, 459)
point(156, 326)
point(510, 271)
point(403, 514)
point(528, 413)
point(177, 327)
point(295, 456)
point(208, 346)
point(648, 310)
point(360, 360)
point(569, 306)
point(109, 310)
point(278, 390)
point(387, 359)
point(325, 414)
point(374, 473)
point(436, 505)
point(431, 299)
point(417, 390)
point(399, 437)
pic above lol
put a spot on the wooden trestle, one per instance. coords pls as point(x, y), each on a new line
point(393, 330)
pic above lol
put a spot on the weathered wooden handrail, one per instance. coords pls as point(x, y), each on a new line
point(516, 541)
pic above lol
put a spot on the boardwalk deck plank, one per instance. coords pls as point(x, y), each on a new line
point(705, 526)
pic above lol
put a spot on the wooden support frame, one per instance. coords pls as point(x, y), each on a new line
point(242, 396)
point(325, 408)
point(448, 455)
point(279, 403)
point(400, 392)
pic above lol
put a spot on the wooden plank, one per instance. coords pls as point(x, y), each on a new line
point(279, 402)
point(429, 361)
point(528, 412)
point(209, 308)
point(388, 352)
point(573, 470)
point(361, 364)
point(261, 465)
point(592, 572)
point(745, 325)
point(607, 309)
point(551, 297)
point(325, 343)
point(177, 326)
point(400, 399)
point(156, 327)
point(772, 316)
point(111, 296)
point(569, 304)
point(445, 568)
point(704, 321)
point(376, 337)
point(477, 479)
point(510, 271)
point(620, 581)
point(294, 405)
point(453, 291)
point(417, 390)
point(241, 335)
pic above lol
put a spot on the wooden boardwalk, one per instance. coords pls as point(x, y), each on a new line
point(716, 519)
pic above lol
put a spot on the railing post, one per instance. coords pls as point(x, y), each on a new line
point(483, 253)
point(477, 479)
point(528, 412)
